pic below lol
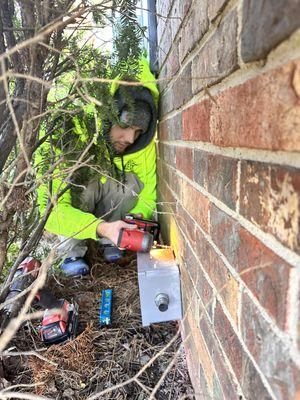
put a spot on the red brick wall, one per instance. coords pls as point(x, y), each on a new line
point(229, 186)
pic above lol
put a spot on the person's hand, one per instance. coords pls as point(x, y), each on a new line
point(111, 230)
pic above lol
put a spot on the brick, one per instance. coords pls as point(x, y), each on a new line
point(169, 175)
point(226, 380)
point(164, 221)
point(217, 391)
point(169, 69)
point(196, 204)
point(266, 274)
point(166, 103)
point(175, 127)
point(222, 176)
point(167, 153)
point(169, 229)
point(176, 239)
point(173, 63)
point(215, 7)
point(163, 7)
point(251, 382)
point(159, 167)
point(265, 24)
point(187, 290)
point(168, 199)
point(174, 181)
point(171, 129)
point(201, 166)
point(169, 202)
point(203, 383)
point(271, 122)
point(194, 28)
point(201, 352)
point(193, 365)
point(218, 175)
point(182, 87)
point(270, 198)
point(185, 161)
point(163, 78)
point(218, 56)
point(160, 28)
point(229, 341)
point(187, 224)
point(202, 286)
point(176, 14)
point(298, 325)
point(163, 130)
point(196, 122)
point(249, 378)
point(186, 7)
point(165, 42)
point(161, 24)
point(270, 352)
point(225, 284)
point(224, 232)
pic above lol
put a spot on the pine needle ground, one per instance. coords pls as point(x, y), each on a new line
point(100, 358)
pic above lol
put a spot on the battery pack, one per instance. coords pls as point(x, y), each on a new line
point(105, 307)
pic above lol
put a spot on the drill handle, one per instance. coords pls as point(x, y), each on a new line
point(146, 225)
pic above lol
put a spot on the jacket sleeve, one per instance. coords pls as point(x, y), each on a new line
point(64, 219)
point(147, 198)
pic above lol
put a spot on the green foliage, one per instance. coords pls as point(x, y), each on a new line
point(127, 43)
point(83, 111)
point(12, 253)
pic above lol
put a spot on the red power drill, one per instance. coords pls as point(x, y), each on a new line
point(56, 327)
point(140, 239)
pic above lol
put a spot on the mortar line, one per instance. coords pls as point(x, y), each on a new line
point(275, 59)
point(284, 336)
point(293, 305)
point(270, 61)
point(212, 286)
point(185, 315)
point(278, 157)
point(239, 10)
point(164, 18)
point(267, 239)
point(241, 340)
point(215, 295)
point(177, 33)
point(240, 307)
point(212, 28)
point(238, 186)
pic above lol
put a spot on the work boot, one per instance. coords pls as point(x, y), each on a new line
point(75, 266)
point(111, 253)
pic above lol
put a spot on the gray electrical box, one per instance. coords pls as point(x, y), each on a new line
point(159, 286)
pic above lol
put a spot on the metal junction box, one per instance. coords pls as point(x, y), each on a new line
point(159, 286)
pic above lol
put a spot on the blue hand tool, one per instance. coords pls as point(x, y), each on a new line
point(105, 307)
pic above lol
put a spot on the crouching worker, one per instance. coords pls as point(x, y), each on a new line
point(103, 202)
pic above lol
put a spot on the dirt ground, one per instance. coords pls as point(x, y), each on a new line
point(122, 361)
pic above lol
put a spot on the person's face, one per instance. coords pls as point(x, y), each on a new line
point(121, 138)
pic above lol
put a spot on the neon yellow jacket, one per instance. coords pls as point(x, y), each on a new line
point(69, 221)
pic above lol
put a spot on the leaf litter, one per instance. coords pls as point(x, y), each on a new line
point(100, 358)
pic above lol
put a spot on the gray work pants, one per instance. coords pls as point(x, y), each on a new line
point(105, 200)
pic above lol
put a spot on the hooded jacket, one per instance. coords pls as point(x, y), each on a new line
point(139, 158)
